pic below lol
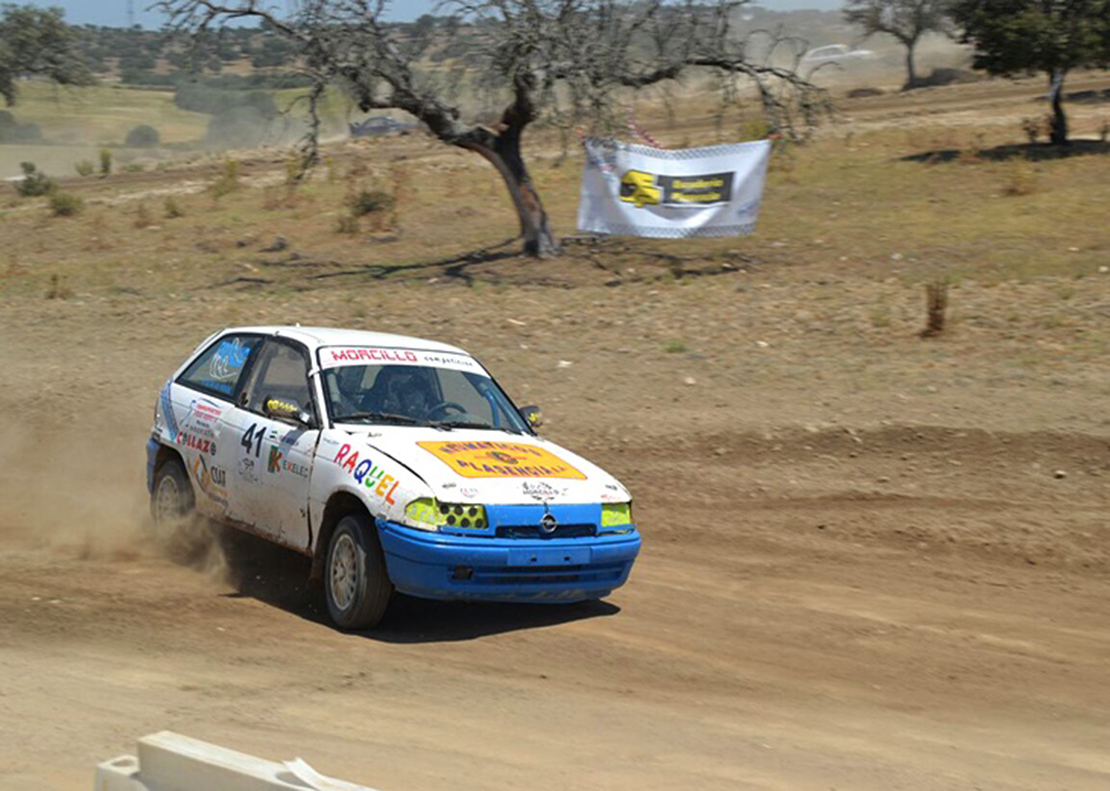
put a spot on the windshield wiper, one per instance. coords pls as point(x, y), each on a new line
point(378, 417)
point(459, 424)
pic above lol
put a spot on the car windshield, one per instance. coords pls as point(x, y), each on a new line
point(423, 395)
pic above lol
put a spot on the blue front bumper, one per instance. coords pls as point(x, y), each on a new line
point(152, 448)
point(441, 566)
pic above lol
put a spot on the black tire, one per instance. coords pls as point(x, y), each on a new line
point(172, 499)
point(356, 584)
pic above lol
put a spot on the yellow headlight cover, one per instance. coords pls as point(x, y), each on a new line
point(425, 510)
point(616, 514)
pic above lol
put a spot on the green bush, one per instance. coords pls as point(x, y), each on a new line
point(85, 168)
point(171, 208)
point(370, 202)
point(66, 204)
point(228, 181)
point(143, 136)
point(35, 182)
point(105, 162)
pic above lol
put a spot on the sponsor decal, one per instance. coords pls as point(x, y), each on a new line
point(469, 492)
point(370, 356)
point(204, 412)
point(652, 189)
point(300, 470)
point(211, 480)
point(228, 361)
point(500, 460)
point(247, 469)
point(195, 442)
point(367, 474)
point(373, 355)
point(541, 490)
point(277, 463)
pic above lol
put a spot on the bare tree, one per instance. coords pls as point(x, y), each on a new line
point(537, 58)
point(906, 20)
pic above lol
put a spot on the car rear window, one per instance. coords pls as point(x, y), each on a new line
point(220, 367)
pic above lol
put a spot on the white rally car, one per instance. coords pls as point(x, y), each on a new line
point(395, 463)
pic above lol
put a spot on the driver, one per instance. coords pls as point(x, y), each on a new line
point(407, 394)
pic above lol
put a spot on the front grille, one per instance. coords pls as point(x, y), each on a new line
point(534, 531)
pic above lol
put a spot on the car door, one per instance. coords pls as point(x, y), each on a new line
point(196, 407)
point(274, 449)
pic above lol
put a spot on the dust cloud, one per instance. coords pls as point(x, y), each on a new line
point(82, 495)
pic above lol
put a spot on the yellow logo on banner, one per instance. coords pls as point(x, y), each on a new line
point(500, 460)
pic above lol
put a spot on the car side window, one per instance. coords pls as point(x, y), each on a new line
point(220, 367)
point(282, 373)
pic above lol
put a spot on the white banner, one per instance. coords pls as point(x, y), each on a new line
point(635, 190)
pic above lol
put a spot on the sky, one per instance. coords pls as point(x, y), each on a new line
point(113, 13)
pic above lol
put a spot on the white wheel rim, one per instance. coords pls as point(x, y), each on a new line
point(344, 572)
point(167, 500)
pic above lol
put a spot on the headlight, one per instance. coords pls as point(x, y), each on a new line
point(424, 513)
point(428, 514)
point(616, 514)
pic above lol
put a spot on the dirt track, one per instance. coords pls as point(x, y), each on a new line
point(860, 571)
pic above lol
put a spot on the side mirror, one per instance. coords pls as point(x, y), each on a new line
point(532, 415)
point(279, 409)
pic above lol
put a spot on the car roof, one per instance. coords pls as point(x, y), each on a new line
point(333, 336)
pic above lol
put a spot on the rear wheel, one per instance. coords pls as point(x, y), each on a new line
point(356, 585)
point(171, 499)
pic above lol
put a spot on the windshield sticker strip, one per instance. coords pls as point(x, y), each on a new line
point(500, 460)
point(331, 357)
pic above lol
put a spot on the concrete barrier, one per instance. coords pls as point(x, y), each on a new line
point(168, 761)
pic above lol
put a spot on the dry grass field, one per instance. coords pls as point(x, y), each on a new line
point(872, 560)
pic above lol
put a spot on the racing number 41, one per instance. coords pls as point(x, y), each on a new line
point(253, 436)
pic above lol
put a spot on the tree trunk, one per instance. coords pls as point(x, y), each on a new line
point(1059, 131)
point(911, 71)
point(504, 154)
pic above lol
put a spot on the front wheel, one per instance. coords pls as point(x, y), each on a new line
point(356, 585)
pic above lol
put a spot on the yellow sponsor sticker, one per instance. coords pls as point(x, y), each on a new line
point(500, 460)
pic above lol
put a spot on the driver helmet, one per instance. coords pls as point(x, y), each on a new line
point(406, 393)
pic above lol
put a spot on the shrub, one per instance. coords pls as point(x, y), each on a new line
point(228, 181)
point(370, 202)
point(66, 204)
point(1032, 128)
point(35, 182)
point(143, 136)
point(1021, 178)
point(142, 216)
point(105, 162)
point(85, 168)
point(171, 208)
point(347, 224)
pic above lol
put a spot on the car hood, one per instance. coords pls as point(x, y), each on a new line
point(492, 467)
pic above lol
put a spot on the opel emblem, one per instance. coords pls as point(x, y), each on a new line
point(548, 523)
